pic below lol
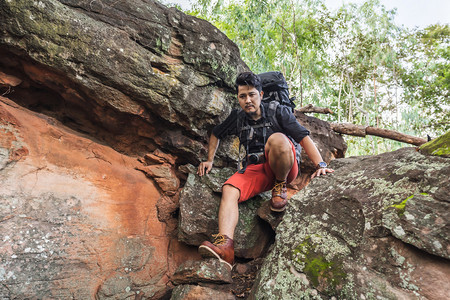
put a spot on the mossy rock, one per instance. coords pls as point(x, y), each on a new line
point(437, 147)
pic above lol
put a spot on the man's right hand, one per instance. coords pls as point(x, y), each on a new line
point(204, 168)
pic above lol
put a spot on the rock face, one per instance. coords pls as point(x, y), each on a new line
point(133, 74)
point(208, 270)
point(376, 228)
point(195, 292)
point(77, 219)
point(199, 207)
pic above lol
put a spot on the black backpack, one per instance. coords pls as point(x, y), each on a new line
point(275, 88)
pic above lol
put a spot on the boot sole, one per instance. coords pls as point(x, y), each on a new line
point(277, 209)
point(205, 251)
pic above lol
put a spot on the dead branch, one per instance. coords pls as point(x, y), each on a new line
point(362, 131)
point(314, 109)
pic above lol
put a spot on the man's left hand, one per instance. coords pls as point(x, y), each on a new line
point(321, 171)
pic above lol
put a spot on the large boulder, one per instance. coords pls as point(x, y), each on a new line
point(134, 74)
point(377, 228)
point(439, 146)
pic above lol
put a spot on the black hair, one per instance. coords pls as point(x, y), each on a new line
point(248, 78)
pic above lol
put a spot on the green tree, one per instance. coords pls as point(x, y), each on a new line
point(426, 78)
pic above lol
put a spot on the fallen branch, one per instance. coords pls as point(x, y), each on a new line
point(314, 109)
point(362, 131)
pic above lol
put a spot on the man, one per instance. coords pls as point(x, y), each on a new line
point(274, 160)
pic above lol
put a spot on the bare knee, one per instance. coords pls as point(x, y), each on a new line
point(230, 193)
point(279, 143)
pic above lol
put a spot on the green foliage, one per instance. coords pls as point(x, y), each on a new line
point(354, 60)
point(369, 145)
point(426, 77)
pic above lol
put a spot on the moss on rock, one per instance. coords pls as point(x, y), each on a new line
point(437, 147)
point(319, 270)
point(400, 207)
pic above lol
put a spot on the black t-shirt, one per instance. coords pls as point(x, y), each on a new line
point(285, 118)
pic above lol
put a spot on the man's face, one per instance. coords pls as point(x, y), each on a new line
point(250, 100)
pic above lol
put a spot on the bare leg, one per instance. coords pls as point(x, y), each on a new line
point(223, 246)
point(279, 152)
point(229, 211)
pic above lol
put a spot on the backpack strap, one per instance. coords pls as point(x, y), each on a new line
point(247, 127)
point(240, 126)
point(272, 114)
point(248, 130)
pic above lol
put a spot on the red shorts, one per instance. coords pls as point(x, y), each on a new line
point(258, 178)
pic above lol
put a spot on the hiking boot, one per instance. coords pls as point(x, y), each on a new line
point(279, 197)
point(222, 248)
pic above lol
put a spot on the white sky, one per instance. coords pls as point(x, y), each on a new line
point(411, 13)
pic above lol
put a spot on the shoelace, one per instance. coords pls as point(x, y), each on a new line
point(219, 239)
point(278, 187)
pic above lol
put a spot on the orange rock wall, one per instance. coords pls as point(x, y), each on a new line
point(91, 201)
